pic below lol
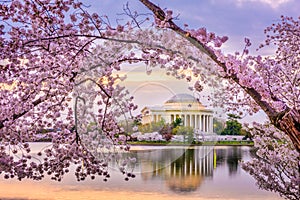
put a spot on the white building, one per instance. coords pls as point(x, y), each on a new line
point(184, 106)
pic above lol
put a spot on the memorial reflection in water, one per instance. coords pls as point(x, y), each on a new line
point(182, 169)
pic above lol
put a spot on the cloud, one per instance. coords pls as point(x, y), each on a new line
point(274, 4)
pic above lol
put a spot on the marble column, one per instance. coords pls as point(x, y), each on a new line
point(205, 122)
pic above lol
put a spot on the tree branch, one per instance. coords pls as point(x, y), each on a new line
point(16, 116)
point(160, 14)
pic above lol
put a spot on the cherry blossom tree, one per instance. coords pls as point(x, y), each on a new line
point(53, 73)
point(60, 63)
point(253, 83)
point(270, 84)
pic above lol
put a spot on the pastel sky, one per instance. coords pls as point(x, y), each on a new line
point(235, 18)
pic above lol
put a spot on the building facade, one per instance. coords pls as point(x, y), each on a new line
point(192, 113)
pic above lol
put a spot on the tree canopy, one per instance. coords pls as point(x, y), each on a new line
point(58, 63)
point(233, 127)
point(259, 79)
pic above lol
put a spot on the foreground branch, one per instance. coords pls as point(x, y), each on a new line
point(287, 121)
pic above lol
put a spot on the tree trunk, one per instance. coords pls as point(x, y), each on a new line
point(290, 124)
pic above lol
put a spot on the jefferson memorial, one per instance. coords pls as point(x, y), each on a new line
point(184, 106)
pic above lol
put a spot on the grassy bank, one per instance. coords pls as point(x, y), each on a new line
point(218, 143)
point(164, 143)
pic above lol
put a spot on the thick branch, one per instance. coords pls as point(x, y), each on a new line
point(16, 116)
point(285, 121)
point(160, 14)
point(290, 124)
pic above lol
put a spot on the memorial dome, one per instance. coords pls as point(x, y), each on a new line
point(183, 102)
point(182, 98)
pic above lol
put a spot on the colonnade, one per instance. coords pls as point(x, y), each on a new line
point(202, 122)
point(198, 121)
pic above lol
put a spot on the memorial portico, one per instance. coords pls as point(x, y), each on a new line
point(184, 106)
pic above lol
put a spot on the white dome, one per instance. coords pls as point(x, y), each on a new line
point(182, 98)
point(183, 102)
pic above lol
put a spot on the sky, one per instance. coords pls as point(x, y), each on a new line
point(236, 19)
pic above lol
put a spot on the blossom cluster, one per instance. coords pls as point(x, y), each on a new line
point(276, 163)
point(50, 82)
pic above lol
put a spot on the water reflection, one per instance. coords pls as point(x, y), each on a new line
point(234, 155)
point(184, 169)
point(164, 172)
point(188, 171)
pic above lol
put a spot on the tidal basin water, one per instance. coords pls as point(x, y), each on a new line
point(169, 172)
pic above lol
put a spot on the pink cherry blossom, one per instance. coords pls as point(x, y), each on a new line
point(58, 64)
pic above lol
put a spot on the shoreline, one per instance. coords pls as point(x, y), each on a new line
point(219, 143)
point(162, 143)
